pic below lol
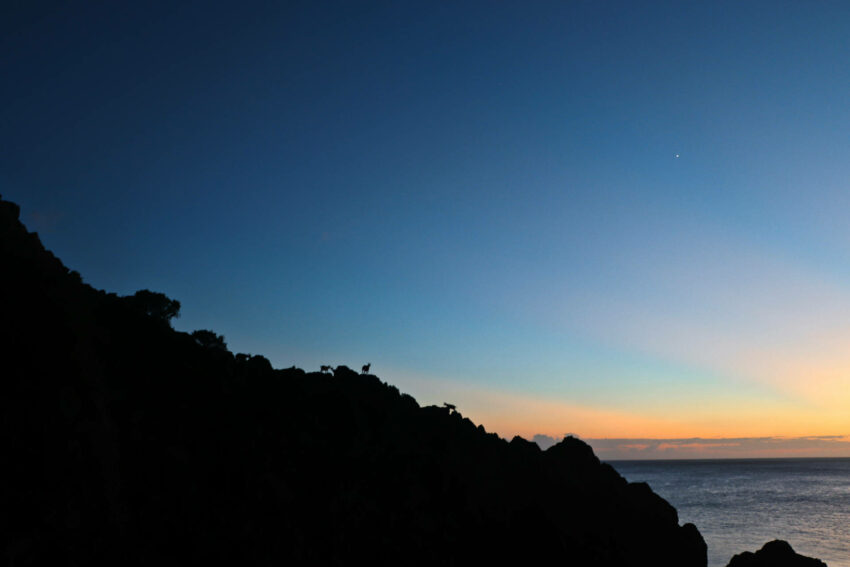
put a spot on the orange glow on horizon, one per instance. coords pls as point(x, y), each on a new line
point(510, 413)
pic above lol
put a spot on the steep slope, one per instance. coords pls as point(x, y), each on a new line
point(127, 442)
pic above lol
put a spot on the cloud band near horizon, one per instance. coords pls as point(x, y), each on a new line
point(713, 448)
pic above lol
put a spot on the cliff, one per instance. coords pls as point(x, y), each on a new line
point(126, 442)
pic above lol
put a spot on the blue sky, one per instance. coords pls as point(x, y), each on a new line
point(481, 199)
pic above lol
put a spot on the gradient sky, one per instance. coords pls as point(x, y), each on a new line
point(482, 199)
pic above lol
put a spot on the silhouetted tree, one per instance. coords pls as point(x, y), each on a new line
point(208, 339)
point(156, 305)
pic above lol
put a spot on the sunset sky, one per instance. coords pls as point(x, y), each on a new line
point(621, 220)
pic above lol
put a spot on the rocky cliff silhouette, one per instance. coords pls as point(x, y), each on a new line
point(776, 553)
point(126, 442)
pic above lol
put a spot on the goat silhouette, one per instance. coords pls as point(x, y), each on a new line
point(366, 368)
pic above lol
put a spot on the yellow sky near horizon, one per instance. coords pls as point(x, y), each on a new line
point(510, 413)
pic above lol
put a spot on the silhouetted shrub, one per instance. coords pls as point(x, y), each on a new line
point(254, 363)
point(209, 339)
point(155, 304)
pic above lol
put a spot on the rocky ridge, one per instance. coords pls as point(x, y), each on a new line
point(131, 443)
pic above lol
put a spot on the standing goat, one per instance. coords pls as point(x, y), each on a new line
point(366, 368)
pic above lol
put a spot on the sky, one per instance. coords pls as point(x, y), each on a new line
point(620, 220)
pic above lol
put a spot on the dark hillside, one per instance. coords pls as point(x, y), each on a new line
point(126, 442)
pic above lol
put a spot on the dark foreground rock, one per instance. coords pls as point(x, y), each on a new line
point(125, 442)
point(776, 553)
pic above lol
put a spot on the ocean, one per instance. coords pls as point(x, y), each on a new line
point(740, 504)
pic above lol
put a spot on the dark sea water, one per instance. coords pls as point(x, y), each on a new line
point(739, 505)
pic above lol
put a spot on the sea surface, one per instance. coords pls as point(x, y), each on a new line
point(739, 505)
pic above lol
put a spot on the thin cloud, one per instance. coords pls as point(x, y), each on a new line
point(715, 448)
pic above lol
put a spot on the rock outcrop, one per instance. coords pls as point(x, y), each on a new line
point(126, 442)
point(776, 553)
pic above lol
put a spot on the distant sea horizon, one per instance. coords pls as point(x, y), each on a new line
point(739, 504)
point(701, 459)
point(697, 448)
